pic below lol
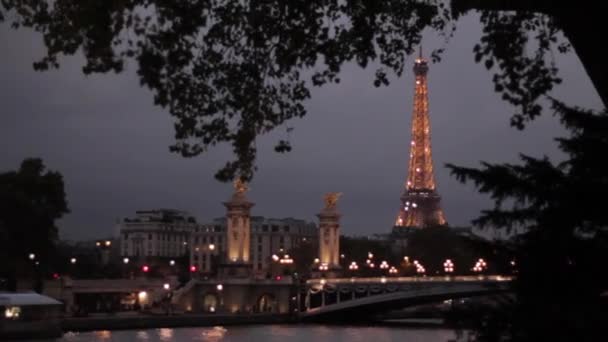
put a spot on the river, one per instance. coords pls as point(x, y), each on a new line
point(271, 333)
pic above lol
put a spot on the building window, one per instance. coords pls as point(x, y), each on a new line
point(204, 239)
point(259, 248)
point(275, 228)
point(286, 229)
point(259, 239)
point(265, 228)
point(150, 236)
point(281, 240)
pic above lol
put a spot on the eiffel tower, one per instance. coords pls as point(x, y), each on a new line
point(420, 202)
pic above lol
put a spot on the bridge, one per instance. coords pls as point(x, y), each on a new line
point(354, 299)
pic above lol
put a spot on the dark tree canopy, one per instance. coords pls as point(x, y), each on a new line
point(229, 71)
point(31, 200)
point(564, 247)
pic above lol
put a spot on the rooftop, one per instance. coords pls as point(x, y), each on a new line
point(25, 299)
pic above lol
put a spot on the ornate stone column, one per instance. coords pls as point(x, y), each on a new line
point(237, 259)
point(329, 235)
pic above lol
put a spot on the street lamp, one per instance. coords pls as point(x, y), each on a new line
point(125, 261)
point(392, 270)
point(219, 287)
point(211, 247)
point(166, 286)
point(419, 268)
point(448, 266)
point(384, 265)
point(286, 260)
point(323, 267)
point(32, 256)
point(353, 266)
point(370, 255)
point(480, 265)
point(171, 262)
point(72, 261)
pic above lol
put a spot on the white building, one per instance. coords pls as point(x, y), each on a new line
point(156, 233)
point(268, 236)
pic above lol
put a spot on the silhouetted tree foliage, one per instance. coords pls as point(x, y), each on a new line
point(562, 254)
point(229, 71)
point(31, 200)
point(303, 255)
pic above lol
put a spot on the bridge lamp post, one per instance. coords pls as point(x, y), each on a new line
point(420, 269)
point(353, 266)
point(448, 266)
point(480, 266)
point(392, 270)
point(384, 265)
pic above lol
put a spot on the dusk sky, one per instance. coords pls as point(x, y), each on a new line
point(103, 133)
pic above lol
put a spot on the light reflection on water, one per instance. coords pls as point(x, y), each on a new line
point(272, 333)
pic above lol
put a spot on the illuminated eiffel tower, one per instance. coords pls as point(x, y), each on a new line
point(420, 202)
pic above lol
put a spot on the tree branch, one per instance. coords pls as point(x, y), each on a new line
point(460, 7)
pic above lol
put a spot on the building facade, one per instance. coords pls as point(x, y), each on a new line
point(269, 236)
point(156, 233)
point(168, 233)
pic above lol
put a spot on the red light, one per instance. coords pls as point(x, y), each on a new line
point(192, 268)
point(278, 277)
point(55, 275)
point(145, 268)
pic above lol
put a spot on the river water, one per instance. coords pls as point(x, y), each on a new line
point(271, 333)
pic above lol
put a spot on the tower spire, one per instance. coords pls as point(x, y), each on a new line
point(420, 203)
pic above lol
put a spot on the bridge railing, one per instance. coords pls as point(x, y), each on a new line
point(376, 280)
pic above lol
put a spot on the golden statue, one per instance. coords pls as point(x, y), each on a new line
point(240, 187)
point(331, 199)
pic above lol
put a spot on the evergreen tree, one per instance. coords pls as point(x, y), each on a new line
point(561, 255)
